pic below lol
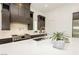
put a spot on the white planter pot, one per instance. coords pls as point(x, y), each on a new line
point(59, 44)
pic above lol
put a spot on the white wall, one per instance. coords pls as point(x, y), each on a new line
point(60, 19)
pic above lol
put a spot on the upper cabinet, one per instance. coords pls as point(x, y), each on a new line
point(15, 12)
point(27, 15)
point(30, 24)
point(26, 6)
point(14, 9)
point(5, 16)
point(41, 22)
point(20, 12)
point(75, 15)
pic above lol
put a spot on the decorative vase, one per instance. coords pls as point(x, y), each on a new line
point(59, 44)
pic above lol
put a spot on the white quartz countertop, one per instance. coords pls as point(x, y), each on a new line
point(43, 47)
point(2, 37)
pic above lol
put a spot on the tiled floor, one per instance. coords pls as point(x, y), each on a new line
point(30, 47)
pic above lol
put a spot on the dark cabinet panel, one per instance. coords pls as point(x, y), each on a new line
point(5, 40)
point(30, 25)
point(27, 16)
point(27, 13)
point(5, 6)
point(5, 16)
point(41, 22)
point(38, 23)
point(5, 19)
point(75, 15)
point(19, 13)
point(21, 10)
point(14, 12)
point(27, 6)
point(24, 15)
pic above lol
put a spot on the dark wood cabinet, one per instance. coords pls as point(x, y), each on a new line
point(26, 6)
point(19, 13)
point(75, 15)
point(41, 22)
point(5, 40)
point(14, 9)
point(27, 16)
point(15, 12)
point(30, 25)
point(5, 17)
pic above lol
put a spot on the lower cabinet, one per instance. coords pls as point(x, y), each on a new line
point(5, 40)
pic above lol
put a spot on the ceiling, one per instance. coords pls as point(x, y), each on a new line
point(45, 7)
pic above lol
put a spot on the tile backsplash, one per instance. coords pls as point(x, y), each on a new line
point(15, 28)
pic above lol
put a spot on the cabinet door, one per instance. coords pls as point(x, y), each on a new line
point(41, 22)
point(21, 9)
point(27, 6)
point(5, 19)
point(14, 12)
point(30, 25)
point(75, 15)
point(27, 16)
point(21, 14)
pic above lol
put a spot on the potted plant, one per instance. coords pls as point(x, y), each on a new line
point(59, 40)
